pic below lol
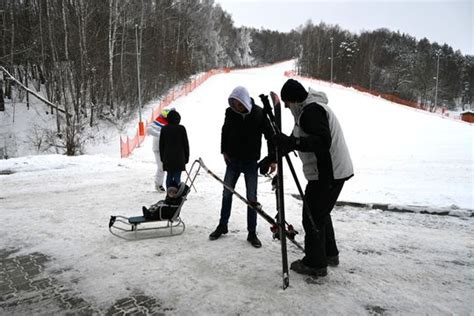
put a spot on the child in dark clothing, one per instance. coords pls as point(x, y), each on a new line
point(174, 149)
point(166, 209)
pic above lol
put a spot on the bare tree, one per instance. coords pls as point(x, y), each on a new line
point(113, 24)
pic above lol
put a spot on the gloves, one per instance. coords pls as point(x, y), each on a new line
point(284, 144)
point(265, 165)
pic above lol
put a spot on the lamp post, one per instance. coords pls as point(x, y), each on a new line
point(141, 128)
point(332, 56)
point(4, 53)
point(437, 80)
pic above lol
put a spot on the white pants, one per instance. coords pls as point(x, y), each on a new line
point(160, 174)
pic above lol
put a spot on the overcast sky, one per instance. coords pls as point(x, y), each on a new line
point(442, 21)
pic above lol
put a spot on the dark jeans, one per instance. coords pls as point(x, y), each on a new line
point(173, 179)
point(320, 243)
point(232, 174)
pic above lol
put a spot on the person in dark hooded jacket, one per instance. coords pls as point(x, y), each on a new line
point(241, 142)
point(174, 149)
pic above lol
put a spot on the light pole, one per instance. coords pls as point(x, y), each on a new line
point(437, 79)
point(4, 52)
point(141, 128)
point(332, 56)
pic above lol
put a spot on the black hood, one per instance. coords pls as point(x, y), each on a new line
point(173, 117)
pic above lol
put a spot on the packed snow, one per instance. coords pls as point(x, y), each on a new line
point(391, 263)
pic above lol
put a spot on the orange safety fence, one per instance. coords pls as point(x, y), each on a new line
point(443, 111)
point(128, 144)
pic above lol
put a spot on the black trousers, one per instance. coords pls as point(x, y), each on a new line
point(320, 241)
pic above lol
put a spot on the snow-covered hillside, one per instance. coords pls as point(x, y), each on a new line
point(391, 263)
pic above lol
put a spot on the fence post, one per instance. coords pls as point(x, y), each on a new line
point(141, 128)
point(128, 146)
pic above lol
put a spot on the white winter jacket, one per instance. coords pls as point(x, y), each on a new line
point(341, 162)
point(154, 129)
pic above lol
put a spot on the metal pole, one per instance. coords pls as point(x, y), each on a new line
point(437, 75)
point(332, 56)
point(2, 102)
point(138, 76)
point(141, 127)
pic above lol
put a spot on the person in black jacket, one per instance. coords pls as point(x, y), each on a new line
point(318, 137)
point(241, 142)
point(174, 149)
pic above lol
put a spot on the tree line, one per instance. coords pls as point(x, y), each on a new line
point(389, 62)
point(85, 56)
point(84, 53)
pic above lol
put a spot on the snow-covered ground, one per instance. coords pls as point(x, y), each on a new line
point(392, 263)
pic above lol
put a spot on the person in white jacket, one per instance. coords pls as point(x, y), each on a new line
point(154, 129)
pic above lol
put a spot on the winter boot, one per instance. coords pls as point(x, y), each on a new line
point(333, 261)
point(146, 212)
point(221, 229)
point(159, 188)
point(253, 240)
point(299, 267)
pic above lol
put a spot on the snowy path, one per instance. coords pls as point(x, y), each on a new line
point(397, 263)
point(391, 263)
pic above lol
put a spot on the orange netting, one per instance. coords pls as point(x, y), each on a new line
point(129, 144)
point(443, 111)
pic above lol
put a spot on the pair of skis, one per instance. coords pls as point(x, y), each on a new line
point(275, 122)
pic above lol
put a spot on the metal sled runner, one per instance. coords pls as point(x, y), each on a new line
point(140, 227)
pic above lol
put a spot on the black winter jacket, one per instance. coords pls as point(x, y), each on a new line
point(174, 147)
point(241, 136)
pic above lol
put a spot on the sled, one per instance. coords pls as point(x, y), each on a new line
point(140, 227)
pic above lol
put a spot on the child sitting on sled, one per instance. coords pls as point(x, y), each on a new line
point(167, 208)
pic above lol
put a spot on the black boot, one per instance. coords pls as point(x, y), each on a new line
point(221, 229)
point(299, 267)
point(253, 240)
point(333, 261)
point(146, 212)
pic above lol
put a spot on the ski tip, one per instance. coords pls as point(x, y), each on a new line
point(274, 96)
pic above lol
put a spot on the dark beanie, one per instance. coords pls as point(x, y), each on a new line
point(293, 91)
point(173, 117)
